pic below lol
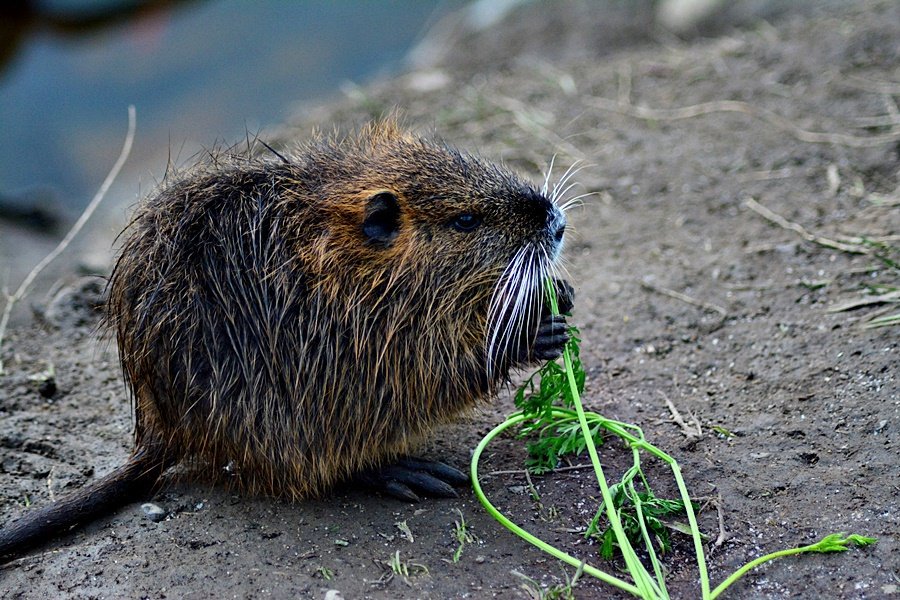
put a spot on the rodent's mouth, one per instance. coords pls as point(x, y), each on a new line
point(518, 296)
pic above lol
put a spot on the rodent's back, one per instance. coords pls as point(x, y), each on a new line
point(303, 319)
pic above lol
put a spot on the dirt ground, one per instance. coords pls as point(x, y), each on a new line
point(686, 292)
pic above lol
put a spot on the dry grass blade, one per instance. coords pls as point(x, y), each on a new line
point(684, 298)
point(734, 106)
point(23, 288)
point(893, 296)
point(526, 119)
point(870, 85)
point(801, 231)
point(885, 321)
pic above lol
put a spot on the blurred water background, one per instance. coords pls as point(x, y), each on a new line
point(199, 72)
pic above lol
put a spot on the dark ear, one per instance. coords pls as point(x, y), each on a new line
point(382, 222)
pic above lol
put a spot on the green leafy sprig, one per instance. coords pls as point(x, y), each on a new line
point(623, 505)
point(550, 436)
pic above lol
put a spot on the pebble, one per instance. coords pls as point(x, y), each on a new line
point(47, 387)
point(153, 512)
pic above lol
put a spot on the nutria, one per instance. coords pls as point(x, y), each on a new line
point(305, 319)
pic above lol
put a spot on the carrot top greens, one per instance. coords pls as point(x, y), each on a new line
point(552, 419)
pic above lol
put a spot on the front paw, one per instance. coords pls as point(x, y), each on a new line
point(551, 340)
point(565, 296)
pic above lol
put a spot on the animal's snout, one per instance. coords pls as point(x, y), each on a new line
point(545, 216)
point(556, 224)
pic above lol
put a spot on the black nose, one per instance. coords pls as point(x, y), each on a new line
point(558, 234)
point(556, 223)
point(543, 213)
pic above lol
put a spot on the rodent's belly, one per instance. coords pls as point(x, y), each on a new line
point(294, 441)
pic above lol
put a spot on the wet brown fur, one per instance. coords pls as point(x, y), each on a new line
point(258, 327)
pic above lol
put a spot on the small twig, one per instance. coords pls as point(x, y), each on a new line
point(880, 121)
point(723, 535)
point(833, 177)
point(525, 471)
point(50, 485)
point(889, 297)
point(684, 298)
point(91, 207)
point(624, 87)
point(531, 488)
point(766, 175)
point(688, 431)
point(892, 109)
point(734, 106)
point(877, 239)
point(798, 229)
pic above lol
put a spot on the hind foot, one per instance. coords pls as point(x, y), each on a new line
point(409, 477)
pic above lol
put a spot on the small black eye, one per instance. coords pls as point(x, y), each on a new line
point(466, 222)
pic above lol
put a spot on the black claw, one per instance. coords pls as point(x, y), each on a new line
point(409, 476)
point(551, 338)
point(442, 471)
point(565, 296)
point(399, 491)
point(435, 487)
point(419, 481)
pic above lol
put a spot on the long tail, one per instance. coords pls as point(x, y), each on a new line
point(133, 480)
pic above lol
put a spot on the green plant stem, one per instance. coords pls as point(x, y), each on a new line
point(648, 541)
point(642, 578)
point(695, 529)
point(835, 542)
point(515, 419)
point(638, 442)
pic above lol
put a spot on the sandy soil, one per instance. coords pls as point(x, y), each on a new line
point(811, 396)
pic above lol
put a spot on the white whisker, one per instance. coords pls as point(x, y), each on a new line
point(518, 299)
point(576, 201)
point(572, 170)
point(565, 191)
point(522, 308)
point(499, 305)
point(549, 172)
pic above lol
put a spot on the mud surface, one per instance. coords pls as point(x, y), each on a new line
point(686, 292)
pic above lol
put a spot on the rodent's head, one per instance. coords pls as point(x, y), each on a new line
point(401, 209)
